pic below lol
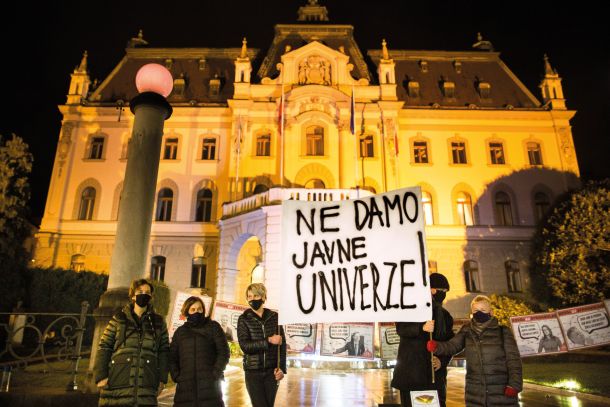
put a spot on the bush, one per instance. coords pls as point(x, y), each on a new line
point(505, 307)
point(235, 350)
point(161, 297)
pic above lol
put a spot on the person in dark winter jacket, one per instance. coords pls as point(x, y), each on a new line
point(413, 370)
point(493, 365)
point(198, 356)
point(131, 365)
point(264, 345)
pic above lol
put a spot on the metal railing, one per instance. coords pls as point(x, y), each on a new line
point(61, 340)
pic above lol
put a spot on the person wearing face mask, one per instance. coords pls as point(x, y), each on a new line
point(131, 365)
point(262, 340)
point(198, 356)
point(493, 365)
point(413, 370)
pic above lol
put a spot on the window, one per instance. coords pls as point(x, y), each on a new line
point(315, 140)
point(263, 145)
point(458, 152)
point(420, 152)
point(198, 272)
point(366, 146)
point(504, 215)
point(464, 209)
point(214, 89)
point(496, 152)
point(471, 274)
point(203, 211)
point(97, 148)
point(87, 202)
point(449, 89)
point(541, 205)
point(484, 89)
point(513, 276)
point(534, 153)
point(413, 89)
point(208, 150)
point(157, 268)
point(170, 150)
point(426, 199)
point(164, 205)
point(77, 262)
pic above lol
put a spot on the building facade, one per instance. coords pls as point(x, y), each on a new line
point(250, 130)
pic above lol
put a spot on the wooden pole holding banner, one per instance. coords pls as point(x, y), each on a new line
point(278, 353)
point(432, 360)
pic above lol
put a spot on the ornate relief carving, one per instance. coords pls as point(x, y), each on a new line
point(314, 70)
point(64, 144)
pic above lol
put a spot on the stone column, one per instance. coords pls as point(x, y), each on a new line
point(129, 256)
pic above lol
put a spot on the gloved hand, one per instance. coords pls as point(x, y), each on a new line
point(431, 346)
point(510, 391)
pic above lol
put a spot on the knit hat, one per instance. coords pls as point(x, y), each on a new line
point(438, 280)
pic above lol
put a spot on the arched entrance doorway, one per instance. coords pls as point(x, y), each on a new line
point(249, 257)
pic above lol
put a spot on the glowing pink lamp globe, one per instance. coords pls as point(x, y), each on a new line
point(154, 78)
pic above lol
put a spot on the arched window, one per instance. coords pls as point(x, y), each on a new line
point(165, 200)
point(513, 276)
point(426, 199)
point(198, 272)
point(464, 209)
point(263, 145)
point(157, 268)
point(315, 140)
point(366, 146)
point(258, 274)
point(259, 188)
point(471, 275)
point(87, 202)
point(315, 183)
point(504, 214)
point(203, 211)
point(541, 205)
point(77, 262)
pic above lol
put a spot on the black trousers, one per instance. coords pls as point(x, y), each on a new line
point(262, 387)
point(440, 386)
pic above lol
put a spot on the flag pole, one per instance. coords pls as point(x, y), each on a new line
point(282, 134)
point(352, 129)
point(238, 150)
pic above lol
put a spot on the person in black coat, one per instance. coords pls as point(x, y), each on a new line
point(413, 370)
point(199, 354)
point(264, 345)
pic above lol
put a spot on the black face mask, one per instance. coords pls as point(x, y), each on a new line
point(143, 299)
point(439, 296)
point(195, 317)
point(481, 316)
point(256, 304)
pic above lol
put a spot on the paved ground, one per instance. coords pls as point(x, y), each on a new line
point(360, 388)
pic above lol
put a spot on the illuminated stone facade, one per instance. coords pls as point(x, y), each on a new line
point(490, 157)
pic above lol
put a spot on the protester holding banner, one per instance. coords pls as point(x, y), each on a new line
point(264, 345)
point(199, 354)
point(493, 365)
point(413, 370)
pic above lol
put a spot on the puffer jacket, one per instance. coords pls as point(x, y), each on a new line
point(413, 370)
point(492, 363)
point(252, 334)
point(199, 354)
point(133, 354)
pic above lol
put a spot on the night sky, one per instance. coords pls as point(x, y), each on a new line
point(43, 43)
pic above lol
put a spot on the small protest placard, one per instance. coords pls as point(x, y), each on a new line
point(428, 398)
point(538, 333)
point(227, 314)
point(350, 340)
point(301, 338)
point(360, 260)
point(389, 340)
point(585, 326)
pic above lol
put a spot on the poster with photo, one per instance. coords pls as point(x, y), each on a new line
point(389, 340)
point(350, 340)
point(301, 338)
point(227, 314)
point(585, 326)
point(177, 319)
point(538, 334)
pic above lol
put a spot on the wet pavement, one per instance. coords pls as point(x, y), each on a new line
point(367, 387)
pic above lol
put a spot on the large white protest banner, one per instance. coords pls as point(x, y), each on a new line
point(585, 326)
point(360, 260)
point(538, 334)
point(177, 318)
